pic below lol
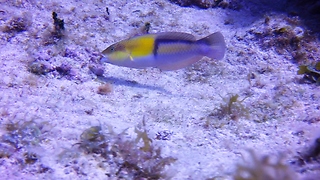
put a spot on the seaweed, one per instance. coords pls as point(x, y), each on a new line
point(308, 11)
point(291, 40)
point(21, 143)
point(142, 135)
point(311, 72)
point(21, 135)
point(93, 140)
point(148, 157)
point(58, 31)
point(58, 23)
point(262, 168)
point(133, 159)
point(233, 108)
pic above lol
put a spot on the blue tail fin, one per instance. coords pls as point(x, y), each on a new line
point(217, 45)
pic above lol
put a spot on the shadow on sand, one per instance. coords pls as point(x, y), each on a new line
point(130, 83)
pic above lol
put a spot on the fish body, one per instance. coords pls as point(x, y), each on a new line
point(166, 51)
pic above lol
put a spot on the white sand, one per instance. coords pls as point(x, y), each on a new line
point(179, 101)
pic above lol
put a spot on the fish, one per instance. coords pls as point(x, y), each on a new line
point(166, 51)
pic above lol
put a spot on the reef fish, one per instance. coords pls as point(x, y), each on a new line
point(166, 51)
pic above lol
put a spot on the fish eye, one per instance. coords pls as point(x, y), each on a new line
point(112, 49)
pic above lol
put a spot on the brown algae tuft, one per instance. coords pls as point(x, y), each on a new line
point(22, 134)
point(21, 144)
point(262, 168)
point(104, 89)
point(58, 32)
point(311, 72)
point(291, 40)
point(18, 24)
point(127, 158)
point(232, 108)
point(58, 26)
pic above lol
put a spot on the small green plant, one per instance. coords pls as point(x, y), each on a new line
point(133, 159)
point(233, 108)
point(93, 140)
point(142, 135)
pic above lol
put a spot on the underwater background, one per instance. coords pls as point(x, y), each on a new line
point(253, 115)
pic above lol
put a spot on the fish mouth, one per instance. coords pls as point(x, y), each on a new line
point(104, 60)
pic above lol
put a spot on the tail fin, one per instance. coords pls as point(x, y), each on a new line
point(217, 45)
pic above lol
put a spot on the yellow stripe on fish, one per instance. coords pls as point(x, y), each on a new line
point(166, 51)
point(140, 46)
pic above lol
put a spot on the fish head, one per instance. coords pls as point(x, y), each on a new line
point(115, 53)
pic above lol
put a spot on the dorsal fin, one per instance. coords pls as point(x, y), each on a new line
point(175, 36)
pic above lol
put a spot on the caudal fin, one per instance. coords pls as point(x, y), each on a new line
point(217, 45)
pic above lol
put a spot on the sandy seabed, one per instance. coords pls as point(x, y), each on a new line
point(248, 116)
